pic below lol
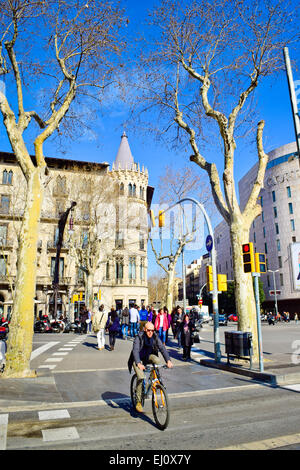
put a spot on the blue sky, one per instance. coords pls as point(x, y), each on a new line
point(102, 142)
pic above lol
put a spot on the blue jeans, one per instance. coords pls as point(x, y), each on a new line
point(133, 329)
point(124, 330)
point(162, 335)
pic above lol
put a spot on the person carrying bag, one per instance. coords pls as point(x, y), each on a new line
point(99, 323)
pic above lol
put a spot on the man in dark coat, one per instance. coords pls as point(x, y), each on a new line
point(144, 351)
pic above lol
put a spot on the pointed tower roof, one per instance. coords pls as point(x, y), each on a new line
point(124, 158)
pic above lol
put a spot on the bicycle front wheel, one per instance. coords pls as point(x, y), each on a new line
point(160, 407)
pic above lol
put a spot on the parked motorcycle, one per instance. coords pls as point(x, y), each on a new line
point(75, 326)
point(4, 324)
point(42, 326)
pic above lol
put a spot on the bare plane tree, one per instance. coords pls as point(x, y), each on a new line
point(207, 59)
point(63, 48)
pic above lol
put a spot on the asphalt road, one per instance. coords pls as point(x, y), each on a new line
point(88, 405)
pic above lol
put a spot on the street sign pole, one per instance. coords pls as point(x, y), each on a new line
point(258, 320)
point(215, 306)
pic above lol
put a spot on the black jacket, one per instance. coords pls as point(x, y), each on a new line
point(186, 336)
point(138, 346)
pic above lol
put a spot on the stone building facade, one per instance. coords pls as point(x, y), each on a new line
point(276, 232)
point(111, 204)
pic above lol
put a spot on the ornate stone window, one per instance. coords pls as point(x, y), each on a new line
point(132, 269)
point(119, 260)
point(7, 177)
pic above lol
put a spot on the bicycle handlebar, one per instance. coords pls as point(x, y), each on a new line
point(155, 366)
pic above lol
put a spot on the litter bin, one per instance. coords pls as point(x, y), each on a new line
point(228, 342)
point(238, 343)
point(242, 343)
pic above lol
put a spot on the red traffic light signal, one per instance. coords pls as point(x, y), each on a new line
point(248, 258)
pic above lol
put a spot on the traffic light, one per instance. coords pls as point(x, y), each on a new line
point(161, 219)
point(222, 282)
point(152, 218)
point(260, 263)
point(248, 258)
point(209, 279)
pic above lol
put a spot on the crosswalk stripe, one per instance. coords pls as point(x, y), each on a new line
point(42, 349)
point(3, 431)
point(53, 414)
point(54, 359)
point(60, 434)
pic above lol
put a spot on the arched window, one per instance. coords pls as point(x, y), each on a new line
point(130, 190)
point(122, 188)
point(134, 190)
point(7, 177)
point(107, 271)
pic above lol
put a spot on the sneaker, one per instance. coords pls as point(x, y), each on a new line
point(139, 407)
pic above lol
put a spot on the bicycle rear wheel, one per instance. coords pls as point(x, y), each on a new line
point(160, 407)
point(133, 396)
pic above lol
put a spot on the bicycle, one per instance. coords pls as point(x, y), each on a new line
point(160, 402)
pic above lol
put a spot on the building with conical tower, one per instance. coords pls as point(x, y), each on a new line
point(128, 258)
point(104, 252)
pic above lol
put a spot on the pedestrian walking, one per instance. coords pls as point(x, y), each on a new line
point(178, 319)
point(296, 318)
point(99, 323)
point(113, 327)
point(125, 322)
point(186, 327)
point(83, 317)
point(134, 320)
point(89, 321)
point(161, 325)
point(143, 313)
point(169, 321)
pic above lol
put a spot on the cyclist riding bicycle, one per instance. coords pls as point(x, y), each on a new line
point(145, 351)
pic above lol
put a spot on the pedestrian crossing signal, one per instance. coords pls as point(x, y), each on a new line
point(248, 258)
point(260, 263)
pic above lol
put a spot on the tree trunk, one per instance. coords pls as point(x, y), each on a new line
point(19, 345)
point(169, 303)
point(244, 295)
point(89, 294)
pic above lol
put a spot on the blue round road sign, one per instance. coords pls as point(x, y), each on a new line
point(209, 242)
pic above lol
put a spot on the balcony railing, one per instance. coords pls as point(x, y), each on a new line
point(51, 245)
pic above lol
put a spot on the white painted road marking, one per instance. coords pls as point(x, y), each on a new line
point(54, 359)
point(294, 387)
point(267, 444)
point(47, 366)
point(42, 349)
point(59, 434)
point(3, 431)
point(53, 414)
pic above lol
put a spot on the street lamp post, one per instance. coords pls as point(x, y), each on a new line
point(275, 293)
point(217, 344)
